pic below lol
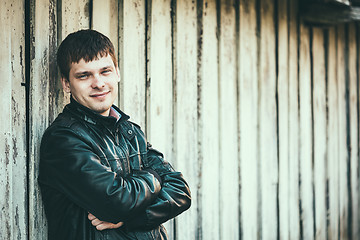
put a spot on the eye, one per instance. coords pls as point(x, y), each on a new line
point(83, 76)
point(106, 71)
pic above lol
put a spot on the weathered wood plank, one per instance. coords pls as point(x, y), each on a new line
point(133, 93)
point(320, 135)
point(294, 130)
point(354, 129)
point(333, 139)
point(208, 124)
point(186, 112)
point(13, 172)
point(229, 170)
point(248, 121)
point(39, 117)
point(283, 119)
point(268, 122)
point(160, 88)
point(105, 19)
point(343, 157)
point(306, 142)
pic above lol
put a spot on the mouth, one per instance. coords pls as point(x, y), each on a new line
point(99, 95)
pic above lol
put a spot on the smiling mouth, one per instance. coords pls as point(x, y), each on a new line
point(99, 94)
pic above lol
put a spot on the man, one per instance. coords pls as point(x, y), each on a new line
point(99, 177)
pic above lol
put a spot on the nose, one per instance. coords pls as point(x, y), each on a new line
point(97, 82)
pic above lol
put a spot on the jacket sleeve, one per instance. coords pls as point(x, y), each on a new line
point(173, 199)
point(68, 164)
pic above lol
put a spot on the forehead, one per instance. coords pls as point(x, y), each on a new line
point(93, 65)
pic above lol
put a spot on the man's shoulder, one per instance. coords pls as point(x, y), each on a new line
point(65, 122)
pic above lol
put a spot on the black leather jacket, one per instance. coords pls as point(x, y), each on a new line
point(91, 163)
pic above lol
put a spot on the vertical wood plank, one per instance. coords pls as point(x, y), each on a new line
point(13, 162)
point(319, 110)
point(229, 192)
point(283, 99)
point(306, 177)
point(105, 19)
point(294, 131)
point(268, 122)
point(185, 118)
point(42, 100)
point(133, 93)
point(248, 94)
point(343, 152)
point(333, 145)
point(354, 126)
point(160, 98)
point(208, 124)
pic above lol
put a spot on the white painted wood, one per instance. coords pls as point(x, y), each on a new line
point(354, 130)
point(186, 112)
point(13, 170)
point(160, 92)
point(248, 121)
point(294, 130)
point(39, 114)
point(268, 122)
point(333, 139)
point(105, 19)
point(343, 157)
point(229, 157)
point(306, 171)
point(320, 135)
point(283, 115)
point(208, 125)
point(132, 94)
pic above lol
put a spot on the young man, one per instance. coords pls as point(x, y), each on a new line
point(99, 177)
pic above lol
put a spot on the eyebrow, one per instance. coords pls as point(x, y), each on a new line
point(89, 72)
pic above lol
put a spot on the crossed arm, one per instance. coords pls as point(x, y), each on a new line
point(174, 197)
point(139, 200)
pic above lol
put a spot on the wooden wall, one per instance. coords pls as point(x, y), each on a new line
point(258, 110)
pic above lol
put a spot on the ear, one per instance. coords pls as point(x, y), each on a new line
point(118, 73)
point(65, 84)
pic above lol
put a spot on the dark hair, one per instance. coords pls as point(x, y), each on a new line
point(84, 44)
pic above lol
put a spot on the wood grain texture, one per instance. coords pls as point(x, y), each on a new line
point(333, 138)
point(268, 122)
point(229, 171)
point(320, 131)
point(159, 102)
point(306, 141)
point(133, 48)
point(186, 111)
point(343, 157)
point(354, 127)
point(248, 121)
point(13, 170)
point(294, 124)
point(283, 120)
point(208, 124)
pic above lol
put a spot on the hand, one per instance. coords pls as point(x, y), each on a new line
point(101, 225)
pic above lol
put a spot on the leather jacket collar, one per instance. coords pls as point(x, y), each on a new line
point(93, 117)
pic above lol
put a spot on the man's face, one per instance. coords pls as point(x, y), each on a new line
point(93, 84)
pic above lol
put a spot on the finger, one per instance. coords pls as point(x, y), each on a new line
point(103, 226)
point(96, 222)
point(119, 224)
point(91, 217)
